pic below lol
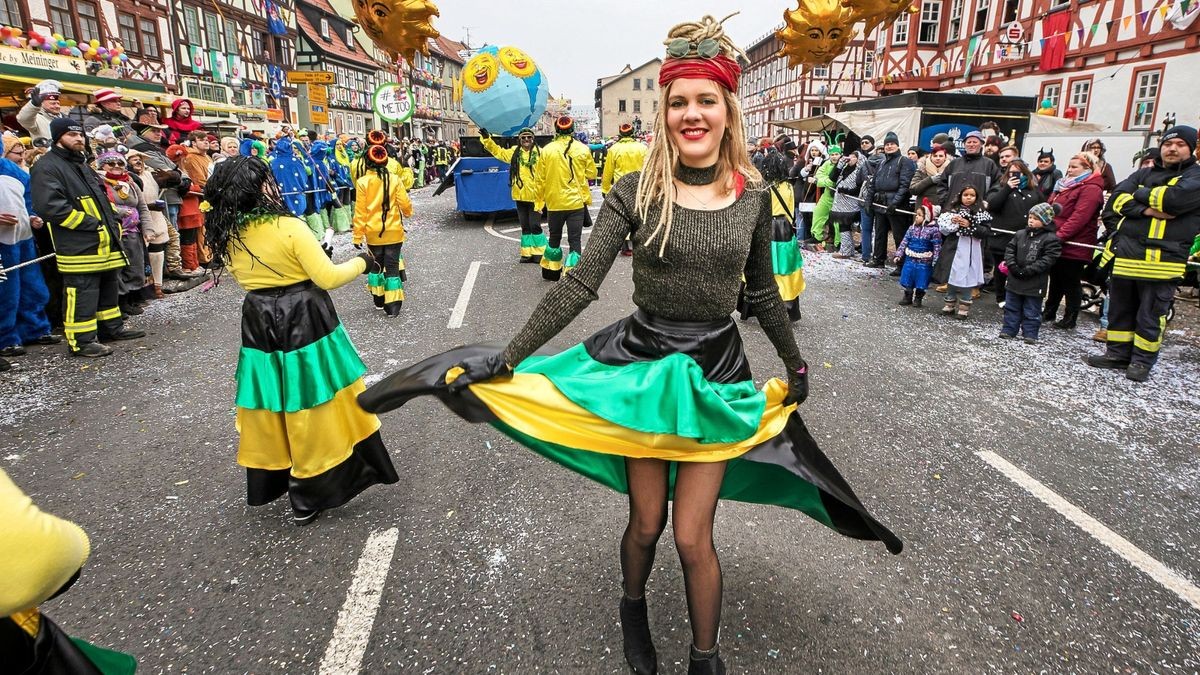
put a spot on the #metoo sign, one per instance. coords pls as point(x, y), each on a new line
point(393, 102)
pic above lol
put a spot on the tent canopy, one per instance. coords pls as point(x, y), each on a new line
point(906, 122)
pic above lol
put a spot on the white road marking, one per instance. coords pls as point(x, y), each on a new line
point(353, 630)
point(489, 227)
point(464, 296)
point(1169, 578)
point(511, 229)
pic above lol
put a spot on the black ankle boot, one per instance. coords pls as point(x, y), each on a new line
point(635, 627)
point(706, 663)
point(908, 298)
point(919, 300)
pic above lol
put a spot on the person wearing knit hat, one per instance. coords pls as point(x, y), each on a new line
point(700, 219)
point(43, 107)
point(890, 189)
point(84, 228)
point(23, 295)
point(524, 182)
point(130, 206)
point(156, 229)
point(943, 139)
point(567, 169)
point(915, 152)
point(920, 248)
point(106, 110)
point(1159, 211)
point(1028, 258)
point(380, 208)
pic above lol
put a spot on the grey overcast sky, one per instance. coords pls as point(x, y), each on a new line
point(576, 42)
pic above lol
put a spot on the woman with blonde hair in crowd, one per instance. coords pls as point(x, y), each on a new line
point(662, 404)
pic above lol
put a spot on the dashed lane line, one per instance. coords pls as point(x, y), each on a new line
point(345, 652)
point(1167, 577)
point(464, 296)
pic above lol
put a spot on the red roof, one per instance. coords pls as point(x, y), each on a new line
point(450, 48)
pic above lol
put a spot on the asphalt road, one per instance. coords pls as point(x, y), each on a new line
point(504, 562)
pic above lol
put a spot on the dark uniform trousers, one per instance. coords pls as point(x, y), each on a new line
point(1137, 318)
point(90, 306)
point(574, 220)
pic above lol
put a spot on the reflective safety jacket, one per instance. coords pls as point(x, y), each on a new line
point(567, 167)
point(441, 156)
point(525, 185)
point(370, 223)
point(1155, 249)
point(83, 226)
point(625, 156)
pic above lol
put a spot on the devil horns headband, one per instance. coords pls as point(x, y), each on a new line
point(720, 69)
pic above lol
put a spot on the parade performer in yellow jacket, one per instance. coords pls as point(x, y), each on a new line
point(625, 156)
point(567, 167)
point(302, 434)
point(379, 211)
point(524, 174)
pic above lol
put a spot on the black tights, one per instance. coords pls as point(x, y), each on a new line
point(697, 486)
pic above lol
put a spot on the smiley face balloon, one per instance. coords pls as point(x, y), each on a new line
point(503, 90)
point(816, 32)
point(399, 27)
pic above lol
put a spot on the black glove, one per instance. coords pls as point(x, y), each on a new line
point(484, 133)
point(35, 97)
point(367, 258)
point(797, 385)
point(891, 210)
point(480, 369)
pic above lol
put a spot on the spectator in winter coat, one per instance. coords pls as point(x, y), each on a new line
point(847, 180)
point(1046, 175)
point(1096, 147)
point(42, 108)
point(973, 169)
point(1080, 196)
point(1009, 202)
point(107, 110)
point(23, 295)
point(929, 168)
point(889, 194)
point(868, 161)
point(1028, 258)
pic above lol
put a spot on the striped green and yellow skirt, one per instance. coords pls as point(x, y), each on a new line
point(302, 433)
point(787, 261)
point(647, 387)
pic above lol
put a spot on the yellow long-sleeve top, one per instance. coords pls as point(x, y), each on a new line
point(625, 156)
point(286, 254)
point(359, 168)
point(369, 223)
point(525, 186)
point(39, 553)
point(782, 208)
point(562, 191)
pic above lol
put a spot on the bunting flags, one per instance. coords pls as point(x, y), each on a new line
point(972, 49)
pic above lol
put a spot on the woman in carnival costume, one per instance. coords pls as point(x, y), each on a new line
point(301, 433)
point(379, 216)
point(523, 176)
point(662, 404)
point(787, 259)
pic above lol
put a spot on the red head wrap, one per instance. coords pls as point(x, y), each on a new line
point(720, 69)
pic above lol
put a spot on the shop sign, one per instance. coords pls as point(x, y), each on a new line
point(393, 102)
point(46, 61)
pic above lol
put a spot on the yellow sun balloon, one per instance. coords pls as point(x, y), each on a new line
point(399, 27)
point(517, 62)
point(480, 72)
point(816, 32)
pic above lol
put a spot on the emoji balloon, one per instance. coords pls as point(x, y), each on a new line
point(399, 27)
point(503, 90)
point(816, 32)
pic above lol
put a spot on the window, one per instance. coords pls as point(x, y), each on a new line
point(981, 15)
point(148, 28)
point(637, 84)
point(79, 23)
point(1081, 94)
point(655, 105)
point(637, 106)
point(1146, 85)
point(258, 48)
point(820, 71)
point(869, 66)
point(900, 32)
point(815, 110)
point(1052, 91)
point(621, 105)
point(10, 13)
point(191, 24)
point(956, 14)
point(127, 29)
point(931, 18)
point(212, 30)
point(1012, 12)
point(649, 84)
point(325, 28)
point(231, 37)
point(350, 38)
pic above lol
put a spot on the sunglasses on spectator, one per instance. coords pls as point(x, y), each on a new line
point(707, 48)
point(113, 162)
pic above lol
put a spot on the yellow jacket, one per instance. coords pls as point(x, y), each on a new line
point(359, 167)
point(625, 156)
point(39, 553)
point(369, 223)
point(566, 168)
point(280, 251)
point(525, 186)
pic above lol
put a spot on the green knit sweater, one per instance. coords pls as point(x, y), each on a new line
point(697, 279)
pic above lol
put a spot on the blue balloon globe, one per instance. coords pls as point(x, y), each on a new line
point(503, 90)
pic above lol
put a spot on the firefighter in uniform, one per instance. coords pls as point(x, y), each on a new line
point(87, 241)
point(441, 159)
point(1156, 213)
point(625, 156)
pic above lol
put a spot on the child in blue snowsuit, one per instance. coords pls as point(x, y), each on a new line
point(920, 248)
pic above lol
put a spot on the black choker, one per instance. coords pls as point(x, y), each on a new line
point(693, 176)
